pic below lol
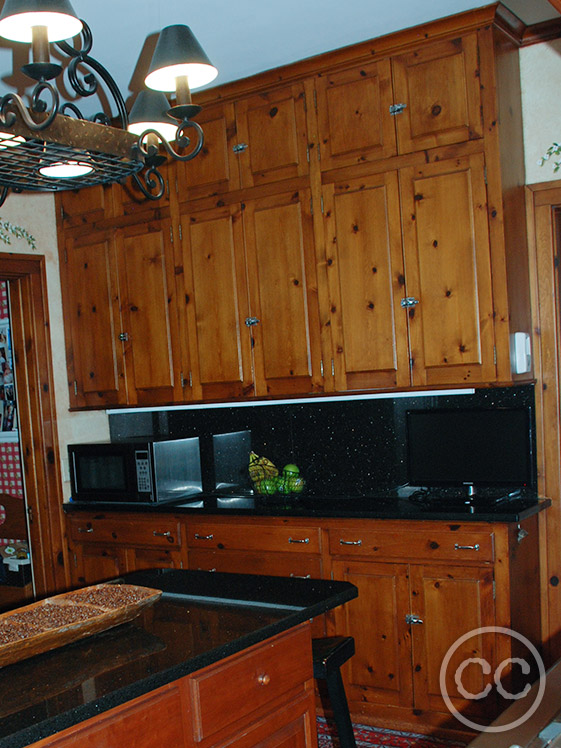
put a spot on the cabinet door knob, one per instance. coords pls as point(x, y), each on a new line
point(264, 679)
point(413, 620)
point(203, 537)
point(466, 547)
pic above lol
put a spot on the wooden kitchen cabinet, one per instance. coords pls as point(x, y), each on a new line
point(249, 298)
point(150, 334)
point(92, 319)
point(105, 545)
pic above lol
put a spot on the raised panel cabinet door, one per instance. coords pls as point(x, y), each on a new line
point(380, 671)
point(91, 563)
point(77, 207)
point(452, 601)
point(448, 272)
point(440, 88)
point(92, 321)
point(283, 294)
point(354, 120)
point(215, 169)
point(272, 141)
point(214, 302)
point(150, 324)
point(365, 273)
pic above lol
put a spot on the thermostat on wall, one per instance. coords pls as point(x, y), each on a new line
point(520, 353)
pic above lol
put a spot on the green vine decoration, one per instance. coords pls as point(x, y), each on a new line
point(7, 230)
point(553, 150)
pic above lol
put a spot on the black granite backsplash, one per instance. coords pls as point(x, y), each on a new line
point(343, 448)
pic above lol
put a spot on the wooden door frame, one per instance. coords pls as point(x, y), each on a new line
point(37, 417)
point(543, 201)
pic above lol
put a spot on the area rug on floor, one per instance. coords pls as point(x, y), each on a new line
point(379, 737)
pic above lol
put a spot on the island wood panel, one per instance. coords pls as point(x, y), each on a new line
point(364, 260)
point(147, 293)
point(93, 320)
point(277, 709)
point(281, 267)
point(272, 135)
point(353, 111)
point(448, 270)
point(214, 302)
point(440, 87)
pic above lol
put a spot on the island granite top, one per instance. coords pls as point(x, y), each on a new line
point(201, 618)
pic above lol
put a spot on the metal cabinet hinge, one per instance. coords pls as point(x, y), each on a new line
point(180, 233)
point(397, 109)
point(315, 99)
point(408, 301)
point(171, 234)
point(311, 206)
point(240, 147)
point(494, 589)
point(251, 321)
point(321, 366)
point(308, 153)
point(413, 620)
point(75, 387)
point(495, 355)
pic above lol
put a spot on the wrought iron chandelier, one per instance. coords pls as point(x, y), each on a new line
point(49, 145)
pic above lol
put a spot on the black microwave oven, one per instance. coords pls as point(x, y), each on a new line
point(141, 472)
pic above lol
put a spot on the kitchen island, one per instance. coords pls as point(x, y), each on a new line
point(217, 655)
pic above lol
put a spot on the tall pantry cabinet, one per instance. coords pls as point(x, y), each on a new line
point(353, 222)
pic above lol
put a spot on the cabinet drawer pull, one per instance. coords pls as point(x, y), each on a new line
point(85, 529)
point(203, 537)
point(466, 547)
point(301, 576)
point(264, 679)
point(297, 540)
point(199, 569)
point(413, 620)
point(349, 542)
point(165, 534)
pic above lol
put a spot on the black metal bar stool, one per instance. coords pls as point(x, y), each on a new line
point(329, 653)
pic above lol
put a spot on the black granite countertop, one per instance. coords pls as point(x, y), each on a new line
point(377, 506)
point(201, 618)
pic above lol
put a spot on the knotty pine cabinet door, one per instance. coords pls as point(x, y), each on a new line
point(439, 85)
point(282, 282)
point(404, 620)
point(152, 350)
point(92, 319)
point(364, 262)
point(214, 304)
point(272, 139)
point(353, 112)
point(448, 272)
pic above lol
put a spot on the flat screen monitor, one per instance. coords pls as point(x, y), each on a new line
point(483, 447)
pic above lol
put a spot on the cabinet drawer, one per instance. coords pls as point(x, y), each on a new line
point(229, 692)
point(157, 532)
point(456, 546)
point(250, 562)
point(302, 539)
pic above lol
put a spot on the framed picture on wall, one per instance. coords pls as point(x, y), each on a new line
point(9, 415)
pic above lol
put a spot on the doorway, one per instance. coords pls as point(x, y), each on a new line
point(36, 418)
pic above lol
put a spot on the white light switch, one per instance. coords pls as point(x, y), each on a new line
point(520, 353)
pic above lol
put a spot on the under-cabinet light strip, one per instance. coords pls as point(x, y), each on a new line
point(295, 401)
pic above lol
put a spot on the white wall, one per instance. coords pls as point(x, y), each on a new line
point(540, 72)
point(36, 214)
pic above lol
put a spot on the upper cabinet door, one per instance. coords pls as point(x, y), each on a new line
point(366, 283)
point(77, 207)
point(448, 272)
point(214, 302)
point(92, 321)
point(215, 169)
point(272, 140)
point(147, 292)
point(354, 121)
point(283, 294)
point(440, 88)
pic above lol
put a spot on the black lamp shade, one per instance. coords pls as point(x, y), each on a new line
point(177, 54)
point(19, 16)
point(150, 111)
